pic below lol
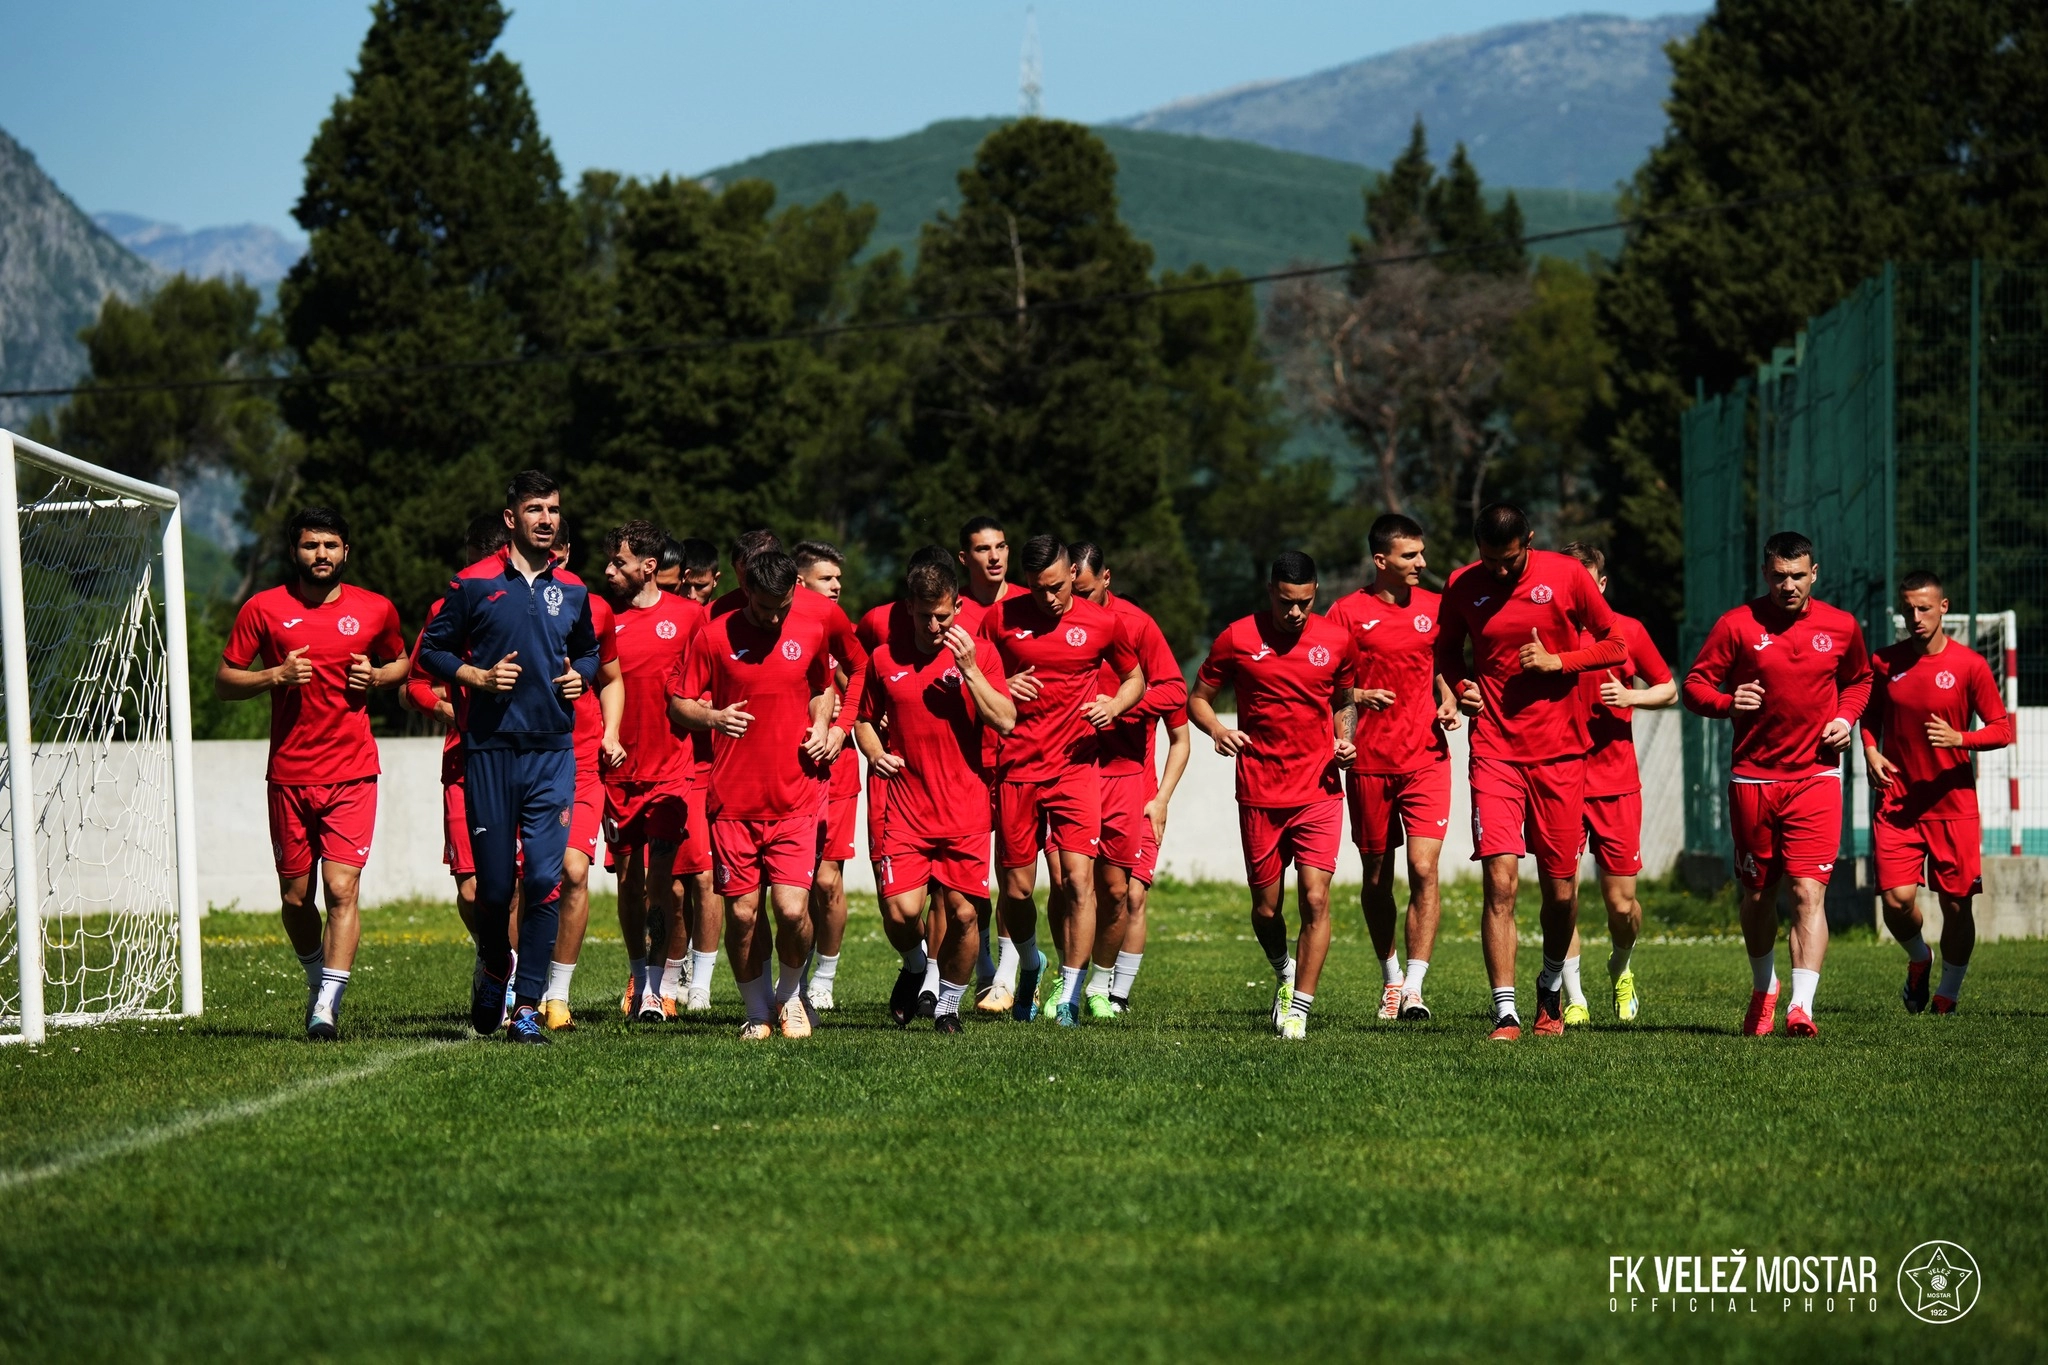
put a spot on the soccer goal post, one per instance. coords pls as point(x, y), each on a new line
point(99, 879)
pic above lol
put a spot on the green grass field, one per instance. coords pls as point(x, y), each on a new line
point(1178, 1185)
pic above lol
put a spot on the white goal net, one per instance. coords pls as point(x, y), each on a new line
point(98, 887)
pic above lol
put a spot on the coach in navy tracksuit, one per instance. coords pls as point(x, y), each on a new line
point(515, 630)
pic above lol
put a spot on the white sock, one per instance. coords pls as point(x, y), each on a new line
point(1951, 986)
point(1283, 965)
point(931, 977)
point(1574, 992)
point(1298, 1005)
point(636, 968)
point(824, 969)
point(1804, 984)
point(1099, 979)
point(1763, 972)
point(332, 984)
point(949, 997)
point(758, 996)
point(914, 960)
point(559, 974)
point(1504, 1004)
point(1007, 962)
point(672, 976)
point(1553, 974)
point(788, 981)
point(1916, 949)
point(702, 966)
point(1126, 974)
point(1417, 969)
point(1070, 985)
point(1617, 961)
point(314, 962)
point(1390, 970)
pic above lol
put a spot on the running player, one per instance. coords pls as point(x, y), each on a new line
point(1048, 791)
point(932, 688)
point(598, 712)
point(323, 646)
point(1293, 672)
point(1917, 740)
point(1792, 674)
point(647, 792)
point(1399, 790)
point(985, 562)
point(760, 681)
point(522, 610)
point(822, 569)
point(1614, 795)
point(1525, 612)
point(1134, 796)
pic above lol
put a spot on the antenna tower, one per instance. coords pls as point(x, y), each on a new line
point(1028, 87)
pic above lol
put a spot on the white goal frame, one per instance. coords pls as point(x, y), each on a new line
point(14, 684)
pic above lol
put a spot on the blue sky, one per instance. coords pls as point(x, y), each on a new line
point(199, 112)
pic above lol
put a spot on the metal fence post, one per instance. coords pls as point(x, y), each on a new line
point(1976, 362)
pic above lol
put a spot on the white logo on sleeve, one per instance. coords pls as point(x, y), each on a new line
point(1318, 656)
point(1823, 643)
point(1076, 636)
point(792, 650)
point(1540, 594)
point(665, 629)
point(1944, 680)
point(552, 596)
point(1423, 623)
point(348, 625)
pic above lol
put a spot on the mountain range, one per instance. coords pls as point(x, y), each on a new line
point(260, 255)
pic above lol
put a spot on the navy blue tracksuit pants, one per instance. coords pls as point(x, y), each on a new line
point(519, 799)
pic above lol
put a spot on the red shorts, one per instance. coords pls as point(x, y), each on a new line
point(333, 822)
point(1951, 850)
point(1275, 836)
point(455, 830)
point(693, 854)
point(745, 852)
point(878, 801)
point(1387, 809)
point(1128, 839)
point(1530, 808)
point(586, 816)
point(909, 863)
point(637, 814)
point(840, 814)
point(1614, 833)
point(1785, 829)
point(1063, 815)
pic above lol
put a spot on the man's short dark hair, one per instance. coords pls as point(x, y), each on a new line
point(526, 485)
point(1389, 528)
point(485, 537)
point(1918, 579)
point(771, 573)
point(975, 526)
point(637, 537)
point(671, 554)
point(1292, 566)
point(1039, 554)
point(1500, 524)
point(930, 581)
point(698, 555)
point(1086, 554)
point(809, 552)
point(930, 554)
point(315, 519)
point(747, 544)
point(1592, 556)
point(1787, 545)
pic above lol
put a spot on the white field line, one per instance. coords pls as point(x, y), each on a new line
point(140, 1139)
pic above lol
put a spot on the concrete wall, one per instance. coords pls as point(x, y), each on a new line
point(236, 871)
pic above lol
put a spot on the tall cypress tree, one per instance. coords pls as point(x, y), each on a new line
point(439, 234)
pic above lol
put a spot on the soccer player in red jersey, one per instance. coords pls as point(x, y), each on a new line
point(696, 570)
point(1048, 791)
point(1134, 796)
point(1399, 789)
point(1792, 674)
point(985, 563)
point(323, 646)
point(1293, 672)
point(1614, 795)
point(760, 681)
point(1918, 741)
point(931, 689)
point(821, 569)
point(1525, 612)
point(647, 791)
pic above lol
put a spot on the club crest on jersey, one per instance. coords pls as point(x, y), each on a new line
point(348, 625)
point(1540, 594)
point(1422, 623)
point(1318, 656)
point(792, 650)
point(1823, 643)
point(552, 596)
point(1076, 636)
point(665, 629)
point(1944, 680)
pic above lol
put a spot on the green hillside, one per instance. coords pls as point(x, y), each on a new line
point(1194, 198)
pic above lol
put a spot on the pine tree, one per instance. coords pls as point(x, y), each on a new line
point(1396, 203)
point(440, 236)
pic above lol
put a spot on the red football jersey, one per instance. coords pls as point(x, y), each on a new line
point(1067, 653)
point(1284, 702)
point(1813, 668)
point(761, 775)
point(589, 739)
point(843, 645)
point(881, 624)
point(319, 733)
point(651, 641)
point(1908, 688)
point(1611, 765)
point(1529, 717)
point(1126, 748)
point(419, 685)
point(1396, 645)
point(935, 727)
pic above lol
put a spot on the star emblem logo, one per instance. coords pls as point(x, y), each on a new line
point(1938, 1282)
